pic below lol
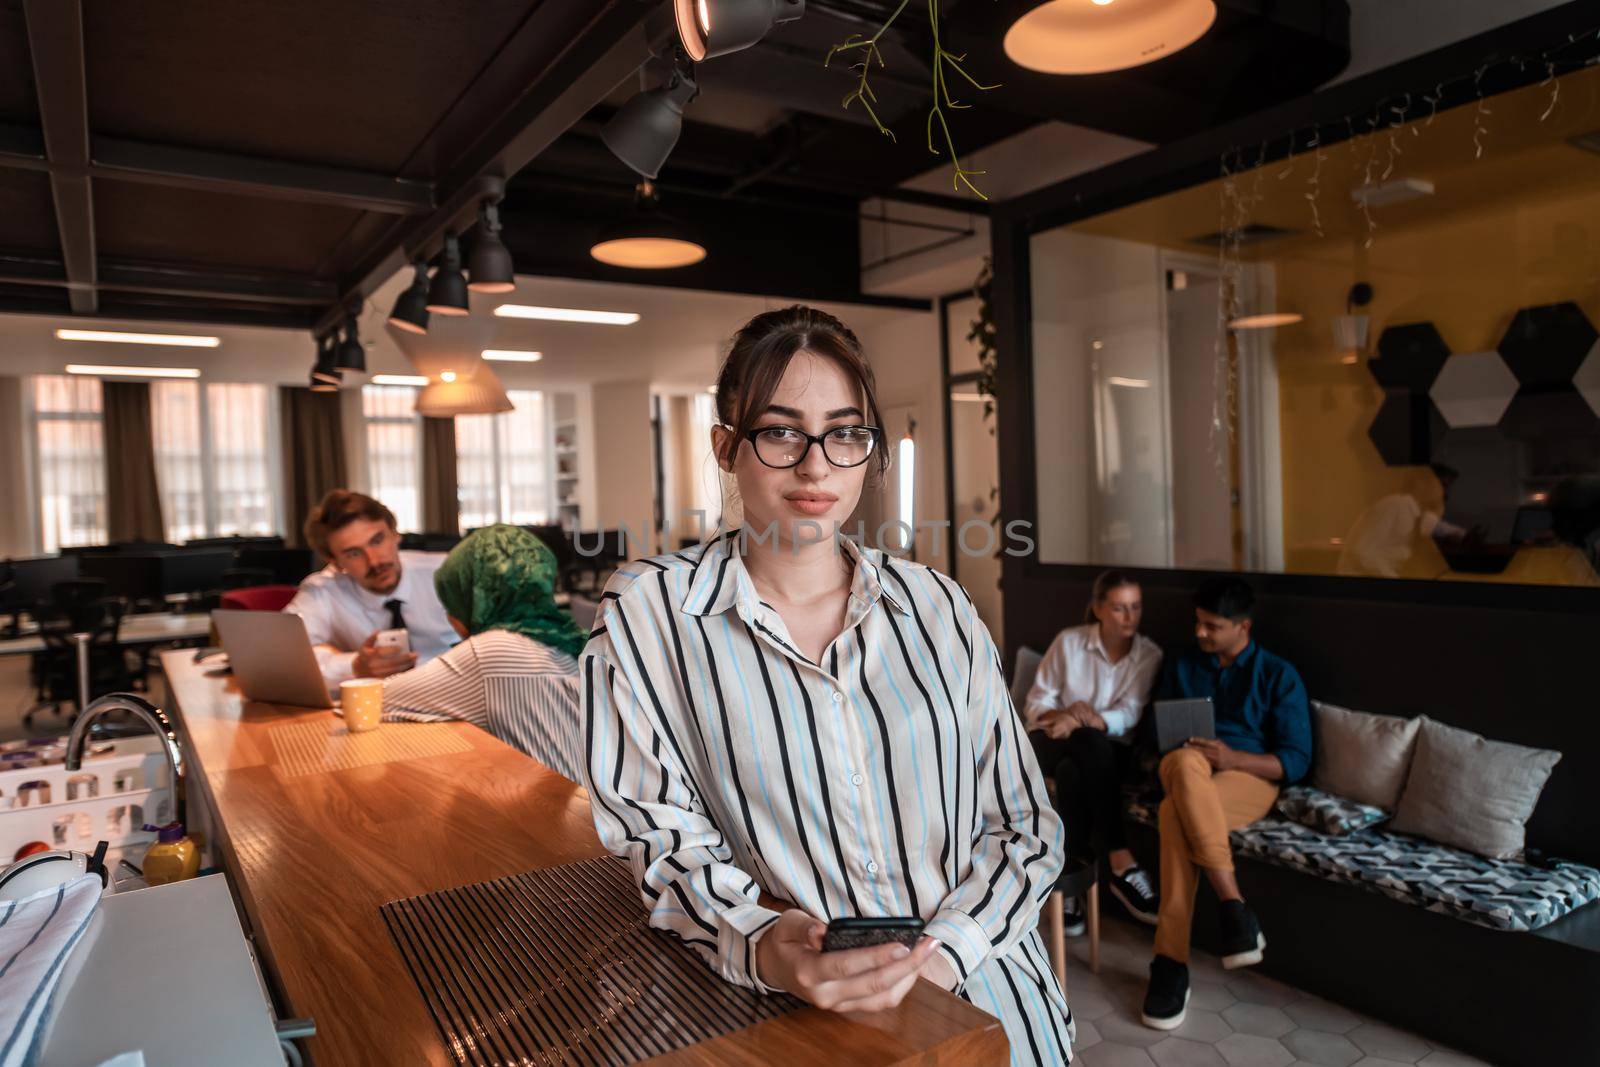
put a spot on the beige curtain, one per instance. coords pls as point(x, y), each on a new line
point(313, 454)
point(441, 508)
point(133, 502)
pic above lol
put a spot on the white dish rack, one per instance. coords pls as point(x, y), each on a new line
point(108, 799)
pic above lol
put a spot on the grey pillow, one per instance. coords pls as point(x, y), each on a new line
point(1323, 811)
point(1470, 792)
point(1361, 756)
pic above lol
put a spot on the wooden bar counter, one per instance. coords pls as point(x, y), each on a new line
point(312, 854)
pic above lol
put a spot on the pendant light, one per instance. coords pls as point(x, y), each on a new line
point(324, 370)
point(645, 130)
point(319, 386)
point(647, 239)
point(1097, 36)
point(708, 28)
point(351, 354)
point(448, 293)
point(463, 394)
point(490, 265)
point(411, 307)
point(1265, 320)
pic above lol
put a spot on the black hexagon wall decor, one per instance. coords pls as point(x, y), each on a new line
point(1548, 415)
point(1407, 428)
point(1409, 357)
point(1545, 344)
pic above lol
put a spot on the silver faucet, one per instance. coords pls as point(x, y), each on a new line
point(160, 724)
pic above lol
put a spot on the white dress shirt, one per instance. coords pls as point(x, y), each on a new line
point(1077, 668)
point(338, 612)
point(889, 777)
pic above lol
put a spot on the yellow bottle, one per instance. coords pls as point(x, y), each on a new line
point(173, 858)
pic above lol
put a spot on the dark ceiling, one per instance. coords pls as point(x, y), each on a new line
point(268, 160)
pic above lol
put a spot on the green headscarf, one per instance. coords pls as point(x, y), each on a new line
point(503, 578)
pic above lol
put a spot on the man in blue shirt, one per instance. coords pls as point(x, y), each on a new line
point(1263, 728)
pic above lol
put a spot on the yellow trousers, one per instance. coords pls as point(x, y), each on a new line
point(1199, 810)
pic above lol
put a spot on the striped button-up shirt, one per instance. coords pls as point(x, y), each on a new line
point(891, 778)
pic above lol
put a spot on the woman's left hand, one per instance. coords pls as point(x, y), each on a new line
point(939, 971)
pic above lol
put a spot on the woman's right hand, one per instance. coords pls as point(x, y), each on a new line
point(1059, 723)
point(876, 978)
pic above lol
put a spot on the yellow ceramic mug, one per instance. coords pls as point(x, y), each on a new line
point(362, 700)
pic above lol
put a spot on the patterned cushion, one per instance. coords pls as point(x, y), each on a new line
point(1499, 894)
point(1328, 812)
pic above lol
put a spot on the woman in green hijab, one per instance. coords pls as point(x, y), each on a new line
point(516, 674)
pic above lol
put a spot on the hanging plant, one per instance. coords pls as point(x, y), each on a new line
point(944, 62)
point(982, 332)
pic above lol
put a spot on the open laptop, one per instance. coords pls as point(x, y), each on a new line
point(271, 657)
point(1179, 720)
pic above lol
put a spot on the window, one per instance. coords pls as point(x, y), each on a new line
point(215, 458)
point(502, 464)
point(69, 452)
point(394, 451)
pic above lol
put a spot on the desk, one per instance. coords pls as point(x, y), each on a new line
point(144, 629)
point(312, 856)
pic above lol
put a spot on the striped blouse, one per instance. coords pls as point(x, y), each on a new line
point(889, 779)
point(522, 691)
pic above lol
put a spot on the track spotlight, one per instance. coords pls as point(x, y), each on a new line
point(324, 370)
point(490, 265)
point(1071, 37)
point(318, 386)
point(647, 239)
point(708, 28)
point(351, 355)
point(411, 307)
point(643, 133)
point(448, 293)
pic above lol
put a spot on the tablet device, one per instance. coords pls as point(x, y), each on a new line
point(1179, 720)
point(272, 658)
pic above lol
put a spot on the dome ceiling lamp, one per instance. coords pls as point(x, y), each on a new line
point(1100, 36)
point(451, 394)
point(647, 239)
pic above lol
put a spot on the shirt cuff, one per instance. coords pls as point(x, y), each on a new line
point(739, 931)
point(336, 666)
point(1118, 721)
point(962, 941)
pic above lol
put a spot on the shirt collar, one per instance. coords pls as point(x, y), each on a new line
point(720, 580)
point(1242, 660)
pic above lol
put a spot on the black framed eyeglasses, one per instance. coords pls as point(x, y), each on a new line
point(783, 447)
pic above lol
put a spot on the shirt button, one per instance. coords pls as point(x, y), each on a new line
point(872, 868)
point(838, 698)
point(855, 779)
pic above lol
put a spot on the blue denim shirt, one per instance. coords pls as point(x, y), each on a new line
point(1259, 702)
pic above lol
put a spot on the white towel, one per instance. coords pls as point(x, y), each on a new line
point(36, 935)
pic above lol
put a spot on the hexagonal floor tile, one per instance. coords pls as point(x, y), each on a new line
point(1386, 1042)
point(1325, 1050)
point(1407, 428)
point(1409, 357)
point(1545, 344)
point(1128, 1031)
point(1250, 1050)
point(1111, 1054)
point(1262, 1019)
point(1546, 414)
point(1213, 996)
point(1441, 1057)
point(1177, 1052)
point(1256, 988)
point(1087, 1036)
point(1203, 1025)
point(1473, 389)
point(1587, 379)
point(1315, 1014)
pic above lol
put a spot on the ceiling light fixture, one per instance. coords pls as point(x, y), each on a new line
point(399, 379)
point(411, 307)
point(351, 354)
point(708, 28)
point(324, 369)
point(323, 387)
point(448, 293)
point(1071, 37)
point(512, 355)
point(133, 372)
point(118, 337)
point(1129, 383)
point(644, 131)
point(603, 318)
point(475, 394)
point(490, 263)
point(447, 376)
point(647, 239)
point(1265, 320)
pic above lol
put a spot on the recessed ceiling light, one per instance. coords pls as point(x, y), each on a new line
point(512, 355)
point(399, 379)
point(1129, 383)
point(603, 318)
point(1266, 320)
point(118, 337)
point(447, 376)
point(133, 372)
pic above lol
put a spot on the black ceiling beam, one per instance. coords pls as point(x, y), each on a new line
point(556, 66)
point(55, 40)
point(168, 279)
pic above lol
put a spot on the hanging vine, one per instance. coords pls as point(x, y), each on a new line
point(982, 333)
point(944, 62)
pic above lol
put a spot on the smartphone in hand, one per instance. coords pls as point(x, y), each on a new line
point(393, 641)
point(864, 933)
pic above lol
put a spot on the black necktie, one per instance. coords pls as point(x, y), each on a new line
point(396, 620)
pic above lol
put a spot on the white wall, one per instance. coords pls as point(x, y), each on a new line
point(624, 490)
point(16, 535)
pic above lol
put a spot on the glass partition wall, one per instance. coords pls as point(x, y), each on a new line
point(1374, 358)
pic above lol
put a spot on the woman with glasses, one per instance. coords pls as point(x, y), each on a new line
point(785, 728)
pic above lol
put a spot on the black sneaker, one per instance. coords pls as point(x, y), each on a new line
point(1167, 1000)
point(1072, 922)
point(1242, 940)
point(1132, 887)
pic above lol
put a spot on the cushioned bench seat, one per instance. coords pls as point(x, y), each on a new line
point(1499, 894)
